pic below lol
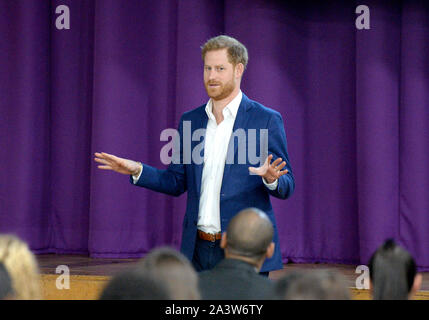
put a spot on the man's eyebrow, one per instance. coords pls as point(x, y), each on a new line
point(219, 65)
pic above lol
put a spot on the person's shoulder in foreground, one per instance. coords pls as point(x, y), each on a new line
point(247, 243)
point(234, 279)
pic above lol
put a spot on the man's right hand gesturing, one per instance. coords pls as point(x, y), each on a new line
point(121, 165)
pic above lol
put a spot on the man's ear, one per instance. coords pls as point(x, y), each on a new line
point(223, 241)
point(270, 250)
point(239, 69)
point(416, 285)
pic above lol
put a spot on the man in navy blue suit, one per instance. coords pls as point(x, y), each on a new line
point(220, 178)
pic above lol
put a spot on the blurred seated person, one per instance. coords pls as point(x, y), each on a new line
point(171, 268)
point(22, 267)
point(321, 284)
point(6, 291)
point(133, 285)
point(247, 242)
point(393, 273)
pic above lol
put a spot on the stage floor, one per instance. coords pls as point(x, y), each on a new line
point(92, 273)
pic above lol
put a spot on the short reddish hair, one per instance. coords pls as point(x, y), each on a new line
point(237, 52)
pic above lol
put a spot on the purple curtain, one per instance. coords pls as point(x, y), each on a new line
point(355, 105)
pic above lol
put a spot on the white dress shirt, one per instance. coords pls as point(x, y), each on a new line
point(215, 150)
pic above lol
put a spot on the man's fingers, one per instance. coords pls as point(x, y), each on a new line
point(281, 173)
point(110, 157)
point(281, 166)
point(103, 155)
point(102, 161)
point(268, 160)
point(253, 169)
point(257, 171)
point(276, 162)
point(105, 167)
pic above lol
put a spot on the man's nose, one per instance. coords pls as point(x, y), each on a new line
point(212, 74)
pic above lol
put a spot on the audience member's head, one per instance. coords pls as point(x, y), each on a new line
point(283, 284)
point(249, 237)
point(6, 291)
point(134, 285)
point(171, 268)
point(316, 285)
point(22, 267)
point(393, 273)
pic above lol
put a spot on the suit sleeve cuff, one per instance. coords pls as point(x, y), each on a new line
point(137, 177)
point(271, 186)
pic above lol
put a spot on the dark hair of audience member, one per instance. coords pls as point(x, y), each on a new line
point(133, 285)
point(253, 240)
point(392, 272)
point(173, 269)
point(317, 285)
point(6, 290)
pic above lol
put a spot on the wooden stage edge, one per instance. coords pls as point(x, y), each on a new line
point(88, 276)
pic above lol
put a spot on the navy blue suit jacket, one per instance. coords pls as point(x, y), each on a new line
point(240, 189)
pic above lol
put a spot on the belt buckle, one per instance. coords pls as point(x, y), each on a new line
point(213, 237)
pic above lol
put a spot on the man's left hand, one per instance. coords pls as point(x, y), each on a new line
point(270, 171)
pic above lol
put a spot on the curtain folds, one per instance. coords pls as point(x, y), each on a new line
point(355, 105)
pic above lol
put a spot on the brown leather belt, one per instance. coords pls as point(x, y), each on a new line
point(208, 236)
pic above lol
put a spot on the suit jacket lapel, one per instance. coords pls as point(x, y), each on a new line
point(200, 122)
point(240, 123)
